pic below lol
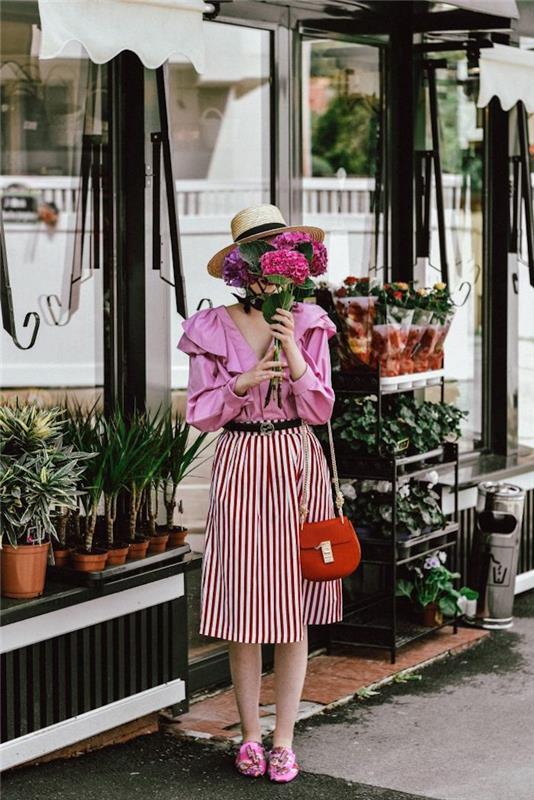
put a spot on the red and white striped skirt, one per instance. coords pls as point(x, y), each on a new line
point(252, 589)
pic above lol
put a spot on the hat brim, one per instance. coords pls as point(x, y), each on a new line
point(215, 264)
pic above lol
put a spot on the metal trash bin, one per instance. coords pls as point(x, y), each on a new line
point(494, 553)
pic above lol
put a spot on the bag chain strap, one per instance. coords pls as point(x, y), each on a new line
point(339, 501)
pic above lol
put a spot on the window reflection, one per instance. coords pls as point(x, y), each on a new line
point(51, 114)
point(341, 153)
point(461, 151)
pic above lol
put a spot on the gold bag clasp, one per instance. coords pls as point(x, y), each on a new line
point(326, 550)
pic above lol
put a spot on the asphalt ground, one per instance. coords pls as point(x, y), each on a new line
point(463, 731)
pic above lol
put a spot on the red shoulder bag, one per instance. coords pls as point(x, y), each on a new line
point(329, 549)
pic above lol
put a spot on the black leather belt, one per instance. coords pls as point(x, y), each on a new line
point(264, 425)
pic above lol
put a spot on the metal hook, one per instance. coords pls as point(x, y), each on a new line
point(6, 300)
point(56, 322)
point(205, 299)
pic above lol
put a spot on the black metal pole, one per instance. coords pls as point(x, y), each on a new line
point(401, 142)
point(128, 180)
point(499, 356)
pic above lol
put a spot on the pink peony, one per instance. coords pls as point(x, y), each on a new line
point(290, 263)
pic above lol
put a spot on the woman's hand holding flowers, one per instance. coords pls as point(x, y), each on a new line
point(283, 329)
point(262, 371)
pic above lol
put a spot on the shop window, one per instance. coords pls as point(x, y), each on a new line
point(461, 137)
point(51, 144)
point(342, 144)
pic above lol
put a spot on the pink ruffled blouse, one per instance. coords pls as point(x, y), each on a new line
point(219, 353)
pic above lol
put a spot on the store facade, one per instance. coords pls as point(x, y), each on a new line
point(333, 111)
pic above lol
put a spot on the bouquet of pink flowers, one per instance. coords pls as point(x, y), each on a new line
point(290, 261)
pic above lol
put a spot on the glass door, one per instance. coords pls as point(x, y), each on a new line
point(343, 151)
point(221, 133)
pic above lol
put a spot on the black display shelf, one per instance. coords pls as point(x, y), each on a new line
point(411, 549)
point(352, 465)
point(379, 632)
point(387, 628)
point(111, 574)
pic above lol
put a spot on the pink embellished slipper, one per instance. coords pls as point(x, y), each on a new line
point(283, 765)
point(250, 760)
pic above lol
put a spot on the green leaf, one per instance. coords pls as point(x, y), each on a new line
point(306, 248)
point(251, 252)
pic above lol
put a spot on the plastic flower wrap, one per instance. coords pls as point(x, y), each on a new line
point(390, 336)
point(436, 311)
point(356, 309)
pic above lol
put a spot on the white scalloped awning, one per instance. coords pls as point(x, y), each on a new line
point(153, 29)
point(508, 73)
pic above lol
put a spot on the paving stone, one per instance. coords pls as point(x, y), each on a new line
point(329, 679)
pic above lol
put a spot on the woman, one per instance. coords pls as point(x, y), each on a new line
point(252, 590)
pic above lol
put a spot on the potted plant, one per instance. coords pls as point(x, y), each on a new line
point(117, 463)
point(39, 474)
point(431, 591)
point(406, 424)
point(86, 432)
point(178, 463)
point(148, 455)
point(418, 510)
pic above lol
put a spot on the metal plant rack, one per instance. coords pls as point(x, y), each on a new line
point(373, 618)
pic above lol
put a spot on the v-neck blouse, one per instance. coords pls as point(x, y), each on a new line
point(219, 353)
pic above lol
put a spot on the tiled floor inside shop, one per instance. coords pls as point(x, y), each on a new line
point(330, 680)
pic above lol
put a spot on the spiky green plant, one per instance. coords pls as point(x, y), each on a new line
point(145, 431)
point(180, 459)
point(85, 431)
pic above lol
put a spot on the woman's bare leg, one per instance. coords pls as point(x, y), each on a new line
point(245, 668)
point(290, 664)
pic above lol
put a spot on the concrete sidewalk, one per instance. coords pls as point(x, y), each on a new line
point(463, 731)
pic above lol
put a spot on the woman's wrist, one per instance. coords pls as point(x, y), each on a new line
point(241, 385)
point(295, 361)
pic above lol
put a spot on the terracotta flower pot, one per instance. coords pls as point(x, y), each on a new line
point(138, 548)
point(158, 543)
point(23, 569)
point(177, 536)
point(429, 616)
point(118, 555)
point(89, 562)
point(61, 556)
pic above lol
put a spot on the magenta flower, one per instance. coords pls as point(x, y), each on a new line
point(289, 240)
point(289, 263)
point(235, 269)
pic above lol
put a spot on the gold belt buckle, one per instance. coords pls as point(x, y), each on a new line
point(266, 426)
point(326, 550)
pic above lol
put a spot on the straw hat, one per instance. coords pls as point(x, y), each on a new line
point(257, 222)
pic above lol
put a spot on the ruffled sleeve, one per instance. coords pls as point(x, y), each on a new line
point(211, 397)
point(313, 393)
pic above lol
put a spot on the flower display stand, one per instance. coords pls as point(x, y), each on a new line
point(371, 608)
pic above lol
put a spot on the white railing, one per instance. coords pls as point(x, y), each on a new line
point(205, 198)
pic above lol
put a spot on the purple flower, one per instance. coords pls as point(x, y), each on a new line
point(235, 269)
